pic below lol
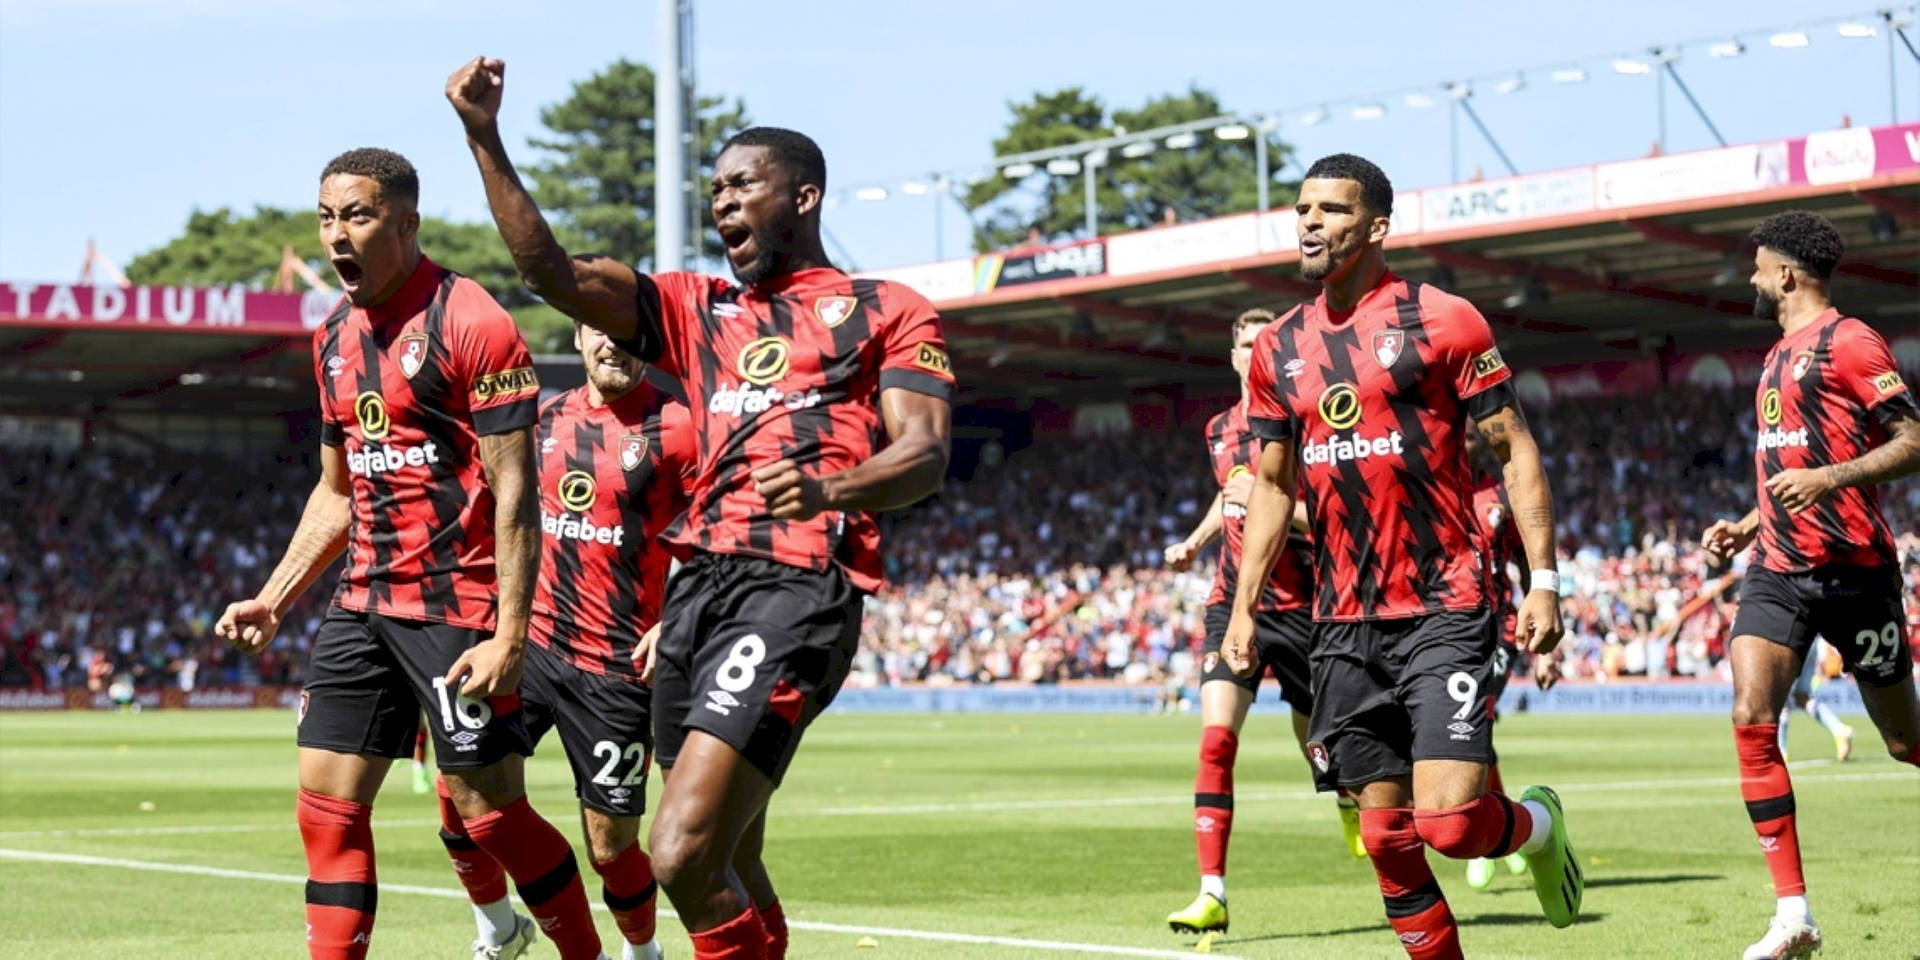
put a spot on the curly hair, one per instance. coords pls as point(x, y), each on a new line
point(1376, 191)
point(396, 177)
point(793, 150)
point(1804, 237)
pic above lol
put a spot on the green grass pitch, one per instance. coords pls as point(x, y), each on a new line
point(1047, 835)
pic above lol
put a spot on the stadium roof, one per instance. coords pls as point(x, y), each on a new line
point(1586, 264)
point(1593, 263)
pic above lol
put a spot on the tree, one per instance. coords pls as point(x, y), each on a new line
point(219, 248)
point(1210, 179)
point(597, 183)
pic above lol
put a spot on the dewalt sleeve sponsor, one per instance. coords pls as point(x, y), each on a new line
point(504, 386)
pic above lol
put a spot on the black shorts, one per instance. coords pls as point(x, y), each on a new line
point(750, 652)
point(1391, 692)
point(371, 675)
point(1280, 644)
point(605, 724)
point(1857, 609)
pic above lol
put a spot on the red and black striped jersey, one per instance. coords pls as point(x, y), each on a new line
point(409, 387)
point(791, 368)
point(613, 478)
point(1377, 400)
point(1495, 536)
point(1235, 450)
point(1826, 393)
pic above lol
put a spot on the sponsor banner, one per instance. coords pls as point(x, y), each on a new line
point(1279, 231)
point(1686, 176)
point(1162, 248)
point(1506, 200)
point(993, 271)
point(150, 698)
point(23, 699)
point(1856, 153)
point(1617, 696)
point(938, 282)
point(233, 309)
point(60, 433)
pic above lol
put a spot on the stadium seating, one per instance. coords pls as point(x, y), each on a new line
point(1043, 568)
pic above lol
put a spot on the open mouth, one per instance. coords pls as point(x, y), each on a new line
point(349, 272)
point(1312, 246)
point(734, 236)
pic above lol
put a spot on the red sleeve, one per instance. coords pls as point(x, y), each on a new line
point(331, 433)
point(491, 362)
point(913, 353)
point(1465, 349)
point(1864, 368)
point(1267, 417)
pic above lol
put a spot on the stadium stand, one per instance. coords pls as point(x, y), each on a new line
point(1041, 568)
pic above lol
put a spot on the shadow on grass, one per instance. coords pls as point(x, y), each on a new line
point(1483, 920)
point(1599, 882)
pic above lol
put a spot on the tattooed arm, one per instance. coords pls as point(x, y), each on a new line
point(1899, 456)
point(1506, 433)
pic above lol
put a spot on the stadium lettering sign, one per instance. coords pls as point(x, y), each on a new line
point(164, 308)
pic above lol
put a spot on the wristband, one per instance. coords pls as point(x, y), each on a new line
point(1545, 580)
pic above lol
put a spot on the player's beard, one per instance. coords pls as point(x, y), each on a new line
point(612, 383)
point(1766, 306)
point(1331, 259)
point(764, 259)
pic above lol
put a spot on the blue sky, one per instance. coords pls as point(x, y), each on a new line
point(117, 117)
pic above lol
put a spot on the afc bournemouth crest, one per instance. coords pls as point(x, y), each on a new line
point(834, 311)
point(413, 353)
point(1802, 362)
point(633, 450)
point(1386, 346)
point(1318, 751)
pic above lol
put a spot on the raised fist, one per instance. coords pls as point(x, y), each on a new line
point(474, 90)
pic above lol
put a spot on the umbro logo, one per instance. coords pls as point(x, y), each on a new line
point(1219, 446)
point(549, 924)
point(1295, 367)
point(726, 311)
point(1413, 938)
point(465, 739)
point(721, 702)
point(334, 363)
point(1770, 844)
point(1204, 824)
point(1462, 730)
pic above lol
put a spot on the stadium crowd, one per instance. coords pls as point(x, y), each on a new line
point(1045, 567)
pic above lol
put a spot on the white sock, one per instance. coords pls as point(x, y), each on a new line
point(1542, 826)
point(1827, 717)
point(1214, 885)
point(636, 952)
point(1793, 908)
point(1786, 713)
point(494, 921)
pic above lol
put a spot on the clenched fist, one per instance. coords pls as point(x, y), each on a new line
point(247, 626)
point(474, 90)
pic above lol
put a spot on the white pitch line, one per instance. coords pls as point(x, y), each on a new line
point(987, 806)
point(1059, 946)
